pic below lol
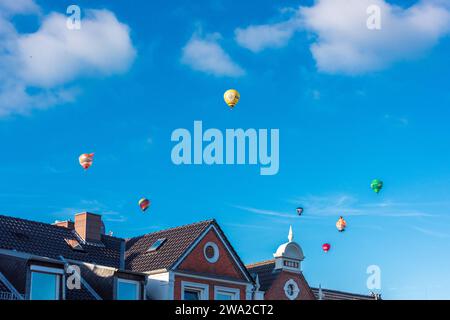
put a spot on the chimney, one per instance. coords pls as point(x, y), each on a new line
point(66, 224)
point(89, 226)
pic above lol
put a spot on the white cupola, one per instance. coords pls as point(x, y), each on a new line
point(289, 255)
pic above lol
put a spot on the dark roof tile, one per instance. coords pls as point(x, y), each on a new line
point(178, 240)
point(50, 241)
point(266, 273)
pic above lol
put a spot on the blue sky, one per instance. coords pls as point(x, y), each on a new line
point(351, 105)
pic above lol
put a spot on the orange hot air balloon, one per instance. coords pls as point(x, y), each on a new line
point(86, 160)
point(144, 204)
point(326, 247)
point(341, 224)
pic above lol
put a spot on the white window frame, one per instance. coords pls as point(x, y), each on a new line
point(137, 283)
point(233, 292)
point(216, 252)
point(202, 288)
point(58, 273)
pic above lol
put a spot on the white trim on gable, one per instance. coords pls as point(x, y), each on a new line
point(199, 239)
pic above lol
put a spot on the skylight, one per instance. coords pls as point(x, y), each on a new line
point(74, 244)
point(156, 245)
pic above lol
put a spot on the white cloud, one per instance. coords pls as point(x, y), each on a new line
point(265, 212)
point(93, 206)
point(37, 69)
point(206, 55)
point(345, 45)
point(317, 207)
point(432, 233)
point(342, 43)
point(259, 37)
point(402, 121)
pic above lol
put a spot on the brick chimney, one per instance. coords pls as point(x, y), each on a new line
point(69, 224)
point(89, 226)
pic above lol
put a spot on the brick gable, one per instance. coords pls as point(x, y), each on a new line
point(276, 291)
point(196, 262)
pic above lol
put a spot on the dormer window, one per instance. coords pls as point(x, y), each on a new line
point(74, 245)
point(128, 289)
point(45, 283)
point(156, 245)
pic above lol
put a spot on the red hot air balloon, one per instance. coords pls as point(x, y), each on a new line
point(86, 160)
point(326, 247)
point(144, 204)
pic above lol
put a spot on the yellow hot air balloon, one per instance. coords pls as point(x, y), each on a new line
point(231, 97)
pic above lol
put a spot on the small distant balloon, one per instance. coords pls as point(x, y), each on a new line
point(341, 224)
point(326, 247)
point(144, 204)
point(86, 160)
point(299, 211)
point(376, 185)
point(231, 97)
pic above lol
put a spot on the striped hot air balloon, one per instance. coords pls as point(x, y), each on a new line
point(144, 204)
point(231, 97)
point(341, 224)
point(86, 160)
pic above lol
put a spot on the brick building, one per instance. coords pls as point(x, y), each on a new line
point(78, 261)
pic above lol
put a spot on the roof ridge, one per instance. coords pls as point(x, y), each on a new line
point(47, 224)
point(260, 263)
point(32, 221)
point(343, 292)
point(209, 221)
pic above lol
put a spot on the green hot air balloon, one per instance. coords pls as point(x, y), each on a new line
point(376, 185)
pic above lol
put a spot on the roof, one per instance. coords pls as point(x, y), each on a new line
point(266, 273)
point(178, 240)
point(47, 240)
point(328, 294)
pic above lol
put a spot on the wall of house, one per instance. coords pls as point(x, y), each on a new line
point(160, 286)
point(225, 266)
point(276, 291)
point(210, 283)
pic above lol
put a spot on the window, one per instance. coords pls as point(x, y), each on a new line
point(291, 264)
point(194, 291)
point(192, 295)
point(211, 252)
point(128, 290)
point(74, 244)
point(291, 289)
point(45, 283)
point(155, 246)
point(223, 293)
